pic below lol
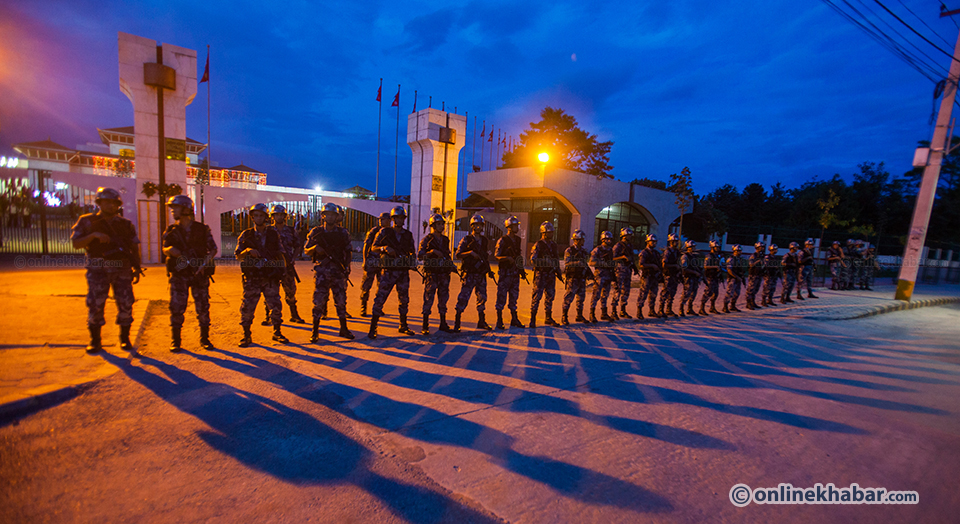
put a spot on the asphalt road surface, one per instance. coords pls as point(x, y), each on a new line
point(628, 423)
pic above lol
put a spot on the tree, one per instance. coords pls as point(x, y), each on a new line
point(569, 147)
point(649, 182)
point(682, 187)
point(827, 217)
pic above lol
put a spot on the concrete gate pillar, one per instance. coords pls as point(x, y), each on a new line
point(147, 70)
point(436, 138)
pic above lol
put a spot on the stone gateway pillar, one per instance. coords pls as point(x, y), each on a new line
point(436, 138)
point(160, 81)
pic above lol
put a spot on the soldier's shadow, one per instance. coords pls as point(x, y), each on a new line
point(286, 443)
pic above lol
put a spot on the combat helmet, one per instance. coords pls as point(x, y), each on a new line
point(329, 207)
point(690, 244)
point(606, 235)
point(651, 238)
point(672, 237)
point(477, 220)
point(435, 218)
point(398, 211)
point(277, 209)
point(546, 227)
point(181, 200)
point(259, 207)
point(578, 235)
point(736, 248)
point(108, 193)
point(626, 231)
point(512, 221)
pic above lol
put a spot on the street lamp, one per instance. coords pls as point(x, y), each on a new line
point(544, 157)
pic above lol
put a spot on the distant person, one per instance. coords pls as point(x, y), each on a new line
point(601, 258)
point(806, 270)
point(371, 262)
point(545, 259)
point(330, 249)
point(755, 272)
point(576, 266)
point(291, 244)
point(691, 267)
point(670, 262)
point(474, 252)
point(711, 273)
point(397, 252)
point(626, 261)
point(437, 266)
point(650, 270)
point(771, 273)
point(508, 253)
point(262, 264)
point(736, 273)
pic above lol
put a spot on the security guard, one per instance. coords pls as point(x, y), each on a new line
point(291, 244)
point(474, 253)
point(626, 261)
point(602, 259)
point(371, 264)
point(755, 274)
point(113, 260)
point(189, 248)
point(736, 273)
point(691, 267)
point(397, 252)
point(650, 270)
point(545, 258)
point(576, 266)
point(806, 269)
point(262, 263)
point(791, 265)
point(671, 276)
point(835, 259)
point(329, 248)
point(437, 265)
point(510, 269)
point(771, 273)
point(711, 273)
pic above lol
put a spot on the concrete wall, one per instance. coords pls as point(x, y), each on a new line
point(433, 162)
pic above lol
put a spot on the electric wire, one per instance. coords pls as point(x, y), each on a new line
point(925, 39)
point(923, 22)
point(931, 59)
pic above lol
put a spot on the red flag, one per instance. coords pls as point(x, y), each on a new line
point(396, 99)
point(491, 135)
point(206, 70)
point(378, 92)
point(483, 132)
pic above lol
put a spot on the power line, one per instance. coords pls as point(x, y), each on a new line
point(925, 39)
point(924, 23)
point(935, 65)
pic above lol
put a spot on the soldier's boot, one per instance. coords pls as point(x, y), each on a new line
point(363, 307)
point(425, 329)
point(549, 320)
point(266, 319)
point(799, 294)
point(295, 317)
point(499, 319)
point(771, 302)
point(278, 336)
point(344, 332)
point(533, 321)
point(690, 310)
point(95, 344)
point(482, 322)
point(623, 313)
point(783, 299)
point(125, 343)
point(726, 307)
point(593, 315)
point(811, 295)
point(580, 317)
point(613, 316)
point(443, 323)
point(175, 332)
point(703, 310)
point(670, 312)
point(734, 308)
point(604, 315)
point(205, 338)
point(749, 304)
point(456, 322)
point(247, 338)
point(515, 320)
point(372, 334)
point(404, 328)
point(564, 320)
point(315, 332)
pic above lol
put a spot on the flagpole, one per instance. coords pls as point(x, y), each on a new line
point(396, 150)
point(483, 138)
point(490, 163)
point(207, 181)
point(376, 190)
point(466, 119)
point(473, 157)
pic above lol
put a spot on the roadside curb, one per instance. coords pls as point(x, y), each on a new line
point(902, 306)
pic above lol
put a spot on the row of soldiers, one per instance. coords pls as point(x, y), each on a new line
point(852, 266)
point(266, 255)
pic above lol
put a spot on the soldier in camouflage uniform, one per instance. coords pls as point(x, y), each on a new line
point(398, 256)
point(870, 266)
point(474, 252)
point(849, 256)
point(291, 244)
point(735, 278)
point(771, 273)
point(262, 263)
point(711, 273)
point(857, 269)
point(835, 257)
point(626, 261)
point(755, 274)
point(113, 260)
point(602, 259)
point(189, 248)
point(650, 271)
point(790, 265)
point(371, 267)
point(329, 248)
point(691, 267)
point(576, 266)
point(806, 269)
point(670, 262)
point(437, 265)
point(545, 259)
point(510, 269)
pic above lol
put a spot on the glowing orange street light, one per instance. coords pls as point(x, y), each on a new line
point(544, 157)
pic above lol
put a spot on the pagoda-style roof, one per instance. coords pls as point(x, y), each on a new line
point(244, 168)
point(124, 135)
point(357, 190)
point(44, 144)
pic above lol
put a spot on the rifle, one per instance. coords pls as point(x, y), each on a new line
point(191, 255)
point(326, 251)
point(124, 251)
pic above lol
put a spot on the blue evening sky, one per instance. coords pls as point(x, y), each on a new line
point(740, 92)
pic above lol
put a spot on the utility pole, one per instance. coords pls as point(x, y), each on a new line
point(928, 185)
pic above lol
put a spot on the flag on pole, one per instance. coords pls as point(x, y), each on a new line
point(414, 100)
point(483, 132)
point(379, 89)
point(206, 70)
point(491, 135)
point(396, 99)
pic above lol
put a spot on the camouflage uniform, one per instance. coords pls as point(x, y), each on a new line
point(396, 270)
point(107, 266)
point(711, 273)
point(625, 271)
point(835, 257)
point(436, 271)
point(790, 264)
point(508, 282)
point(735, 274)
point(291, 244)
point(261, 276)
point(771, 268)
point(649, 280)
point(575, 260)
point(870, 267)
point(194, 246)
point(755, 272)
point(602, 258)
point(691, 267)
point(671, 276)
point(806, 271)
point(475, 272)
point(545, 260)
point(330, 275)
point(371, 268)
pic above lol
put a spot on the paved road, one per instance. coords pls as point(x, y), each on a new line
point(625, 423)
